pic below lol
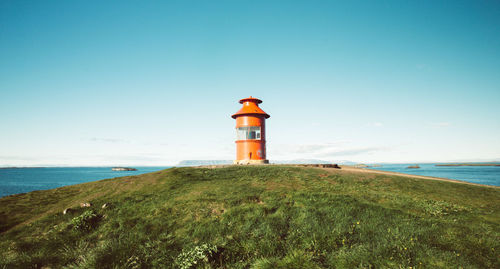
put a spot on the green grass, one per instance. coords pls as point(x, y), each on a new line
point(254, 217)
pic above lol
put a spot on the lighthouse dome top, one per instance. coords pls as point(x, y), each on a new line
point(250, 99)
point(250, 107)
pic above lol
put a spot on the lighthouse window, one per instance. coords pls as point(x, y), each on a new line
point(248, 133)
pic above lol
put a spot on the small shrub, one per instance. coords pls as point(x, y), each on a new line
point(86, 221)
point(195, 256)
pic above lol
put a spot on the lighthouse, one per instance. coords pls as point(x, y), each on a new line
point(250, 132)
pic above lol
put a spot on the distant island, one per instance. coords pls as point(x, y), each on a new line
point(413, 167)
point(123, 169)
point(469, 164)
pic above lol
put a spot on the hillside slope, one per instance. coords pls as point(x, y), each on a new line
point(254, 217)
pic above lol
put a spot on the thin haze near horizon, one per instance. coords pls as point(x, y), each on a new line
point(155, 82)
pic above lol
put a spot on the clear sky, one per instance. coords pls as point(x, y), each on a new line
point(155, 82)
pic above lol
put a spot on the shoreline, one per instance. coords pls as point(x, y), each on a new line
point(353, 169)
point(372, 171)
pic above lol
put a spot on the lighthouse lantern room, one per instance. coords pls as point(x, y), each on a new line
point(250, 132)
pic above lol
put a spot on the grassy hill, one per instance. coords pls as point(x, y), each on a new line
point(254, 217)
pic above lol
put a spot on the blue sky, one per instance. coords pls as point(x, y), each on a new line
point(155, 82)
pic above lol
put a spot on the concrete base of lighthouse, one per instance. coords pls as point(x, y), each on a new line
point(250, 162)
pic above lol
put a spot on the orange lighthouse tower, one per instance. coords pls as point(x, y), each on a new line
point(250, 132)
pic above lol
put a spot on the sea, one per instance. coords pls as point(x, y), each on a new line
point(486, 175)
point(21, 180)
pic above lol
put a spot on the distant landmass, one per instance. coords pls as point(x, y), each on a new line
point(346, 162)
point(218, 162)
point(15, 167)
point(203, 162)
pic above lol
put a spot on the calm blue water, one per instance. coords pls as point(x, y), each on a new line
point(487, 175)
point(19, 180)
